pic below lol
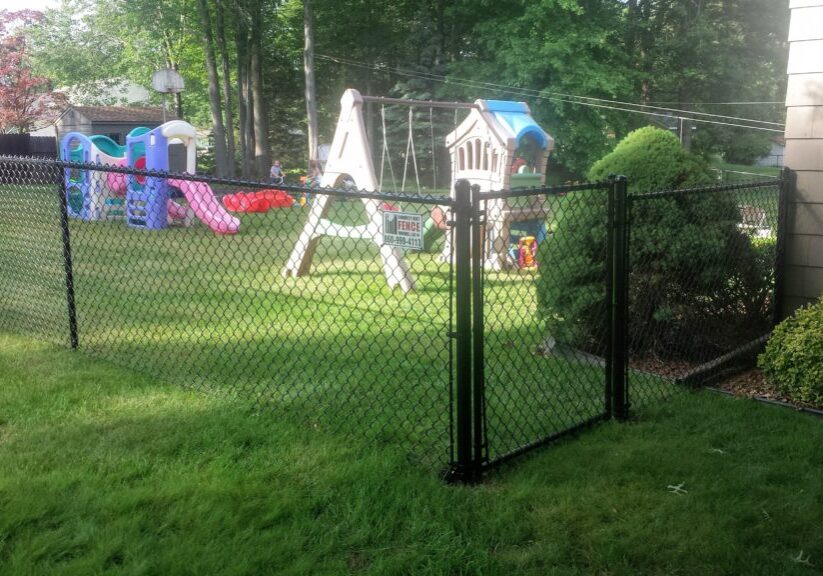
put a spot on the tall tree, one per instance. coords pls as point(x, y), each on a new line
point(219, 130)
point(308, 67)
point(227, 99)
point(262, 152)
point(245, 108)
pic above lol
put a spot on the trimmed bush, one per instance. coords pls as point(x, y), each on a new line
point(793, 359)
point(691, 270)
point(652, 159)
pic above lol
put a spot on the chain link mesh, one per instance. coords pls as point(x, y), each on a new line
point(225, 286)
point(32, 274)
point(701, 288)
point(170, 283)
point(546, 316)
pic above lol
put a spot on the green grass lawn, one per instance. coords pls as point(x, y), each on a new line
point(741, 172)
point(108, 471)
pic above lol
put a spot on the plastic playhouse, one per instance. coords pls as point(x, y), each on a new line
point(143, 201)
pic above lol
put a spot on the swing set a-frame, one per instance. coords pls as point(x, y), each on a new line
point(482, 148)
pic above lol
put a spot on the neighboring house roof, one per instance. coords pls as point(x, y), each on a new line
point(125, 114)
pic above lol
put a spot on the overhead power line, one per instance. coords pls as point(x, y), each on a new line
point(566, 98)
point(717, 103)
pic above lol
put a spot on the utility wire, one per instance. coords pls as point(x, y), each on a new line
point(559, 97)
point(717, 103)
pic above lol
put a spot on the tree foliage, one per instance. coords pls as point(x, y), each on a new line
point(683, 55)
point(24, 96)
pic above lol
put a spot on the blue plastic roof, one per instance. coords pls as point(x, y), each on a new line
point(522, 124)
point(506, 106)
point(516, 116)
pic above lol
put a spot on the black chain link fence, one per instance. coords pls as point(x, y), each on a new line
point(703, 282)
point(519, 319)
point(168, 282)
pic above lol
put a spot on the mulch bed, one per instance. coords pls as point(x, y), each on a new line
point(750, 384)
point(753, 384)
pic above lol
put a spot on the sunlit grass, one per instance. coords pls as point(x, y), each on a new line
point(108, 471)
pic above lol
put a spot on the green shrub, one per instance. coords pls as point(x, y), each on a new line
point(652, 159)
point(691, 266)
point(793, 359)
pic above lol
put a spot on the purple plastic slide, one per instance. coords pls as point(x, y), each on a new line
point(206, 207)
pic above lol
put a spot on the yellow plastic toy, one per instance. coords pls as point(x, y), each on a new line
point(527, 253)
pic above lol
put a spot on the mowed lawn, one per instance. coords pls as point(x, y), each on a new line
point(106, 471)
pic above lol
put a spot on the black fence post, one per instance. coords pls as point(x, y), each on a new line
point(465, 468)
point(788, 183)
point(619, 314)
point(609, 393)
point(67, 263)
point(478, 252)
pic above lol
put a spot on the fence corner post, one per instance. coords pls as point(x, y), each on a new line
point(465, 468)
point(68, 267)
point(788, 184)
point(618, 290)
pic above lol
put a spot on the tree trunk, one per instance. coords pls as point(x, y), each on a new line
point(308, 68)
point(262, 154)
point(224, 58)
point(248, 126)
point(241, 41)
point(219, 130)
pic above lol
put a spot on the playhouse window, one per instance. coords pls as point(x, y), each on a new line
point(469, 156)
point(461, 159)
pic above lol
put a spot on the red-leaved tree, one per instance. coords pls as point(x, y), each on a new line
point(24, 97)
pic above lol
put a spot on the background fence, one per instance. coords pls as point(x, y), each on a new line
point(475, 365)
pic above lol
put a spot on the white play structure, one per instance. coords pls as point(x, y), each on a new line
point(483, 148)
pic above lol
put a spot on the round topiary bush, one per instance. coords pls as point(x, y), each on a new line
point(652, 159)
point(685, 251)
point(793, 359)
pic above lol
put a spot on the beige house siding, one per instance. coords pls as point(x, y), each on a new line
point(804, 154)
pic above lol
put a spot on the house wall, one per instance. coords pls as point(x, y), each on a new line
point(804, 154)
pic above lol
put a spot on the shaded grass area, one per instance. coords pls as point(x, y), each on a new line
point(107, 471)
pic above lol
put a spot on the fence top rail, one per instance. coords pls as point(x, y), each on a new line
point(442, 200)
point(773, 183)
point(544, 190)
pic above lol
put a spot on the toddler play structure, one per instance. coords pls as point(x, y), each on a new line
point(483, 148)
point(499, 146)
point(143, 201)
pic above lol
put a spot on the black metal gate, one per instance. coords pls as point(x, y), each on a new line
point(548, 347)
point(524, 376)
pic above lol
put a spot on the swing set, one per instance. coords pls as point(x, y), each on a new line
point(482, 149)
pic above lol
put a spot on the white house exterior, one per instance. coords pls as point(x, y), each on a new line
point(804, 154)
